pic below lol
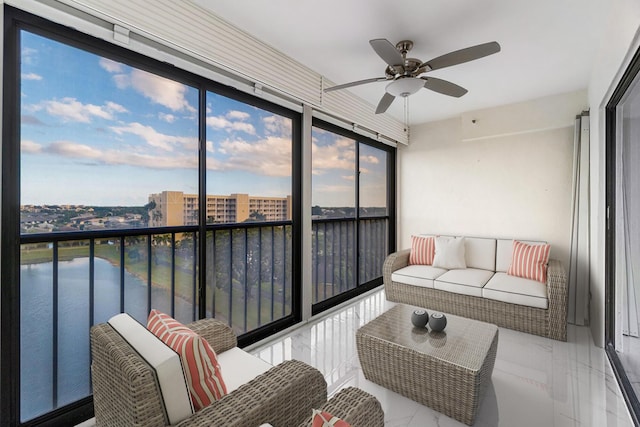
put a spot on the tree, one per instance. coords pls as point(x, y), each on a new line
point(146, 209)
point(256, 216)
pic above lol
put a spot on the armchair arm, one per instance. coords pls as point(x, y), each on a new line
point(355, 406)
point(557, 296)
point(283, 397)
point(217, 333)
point(393, 262)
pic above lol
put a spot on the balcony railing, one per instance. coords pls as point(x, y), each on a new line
point(334, 254)
point(71, 281)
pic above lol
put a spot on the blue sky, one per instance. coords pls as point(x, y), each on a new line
point(99, 132)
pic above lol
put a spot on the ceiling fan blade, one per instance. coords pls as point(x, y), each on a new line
point(462, 55)
point(384, 103)
point(356, 83)
point(387, 51)
point(444, 87)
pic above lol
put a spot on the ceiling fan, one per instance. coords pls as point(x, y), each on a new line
point(403, 73)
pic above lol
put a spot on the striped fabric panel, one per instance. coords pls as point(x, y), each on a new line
point(325, 419)
point(198, 358)
point(529, 261)
point(423, 249)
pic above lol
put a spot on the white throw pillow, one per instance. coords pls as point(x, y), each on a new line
point(449, 253)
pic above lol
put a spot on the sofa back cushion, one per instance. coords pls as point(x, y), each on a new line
point(423, 250)
point(481, 253)
point(530, 261)
point(504, 252)
point(163, 360)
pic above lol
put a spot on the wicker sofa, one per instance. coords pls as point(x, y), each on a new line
point(432, 292)
point(126, 390)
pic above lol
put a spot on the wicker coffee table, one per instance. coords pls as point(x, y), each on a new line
point(448, 371)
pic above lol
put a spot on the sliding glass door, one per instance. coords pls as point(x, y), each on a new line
point(623, 235)
point(352, 213)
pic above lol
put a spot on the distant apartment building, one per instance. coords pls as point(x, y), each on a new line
point(177, 208)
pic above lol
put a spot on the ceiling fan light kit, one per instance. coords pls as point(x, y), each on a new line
point(404, 73)
point(405, 86)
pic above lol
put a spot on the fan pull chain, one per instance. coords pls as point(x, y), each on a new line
point(406, 114)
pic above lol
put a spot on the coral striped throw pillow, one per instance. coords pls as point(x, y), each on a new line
point(325, 419)
point(529, 261)
point(198, 359)
point(423, 249)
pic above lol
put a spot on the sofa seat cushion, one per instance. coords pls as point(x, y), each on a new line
point(468, 281)
point(239, 367)
point(516, 290)
point(417, 275)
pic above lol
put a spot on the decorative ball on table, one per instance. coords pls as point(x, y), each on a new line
point(419, 318)
point(437, 322)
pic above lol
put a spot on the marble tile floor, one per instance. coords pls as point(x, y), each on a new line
point(536, 381)
point(630, 358)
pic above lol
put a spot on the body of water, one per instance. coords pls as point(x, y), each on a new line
point(38, 389)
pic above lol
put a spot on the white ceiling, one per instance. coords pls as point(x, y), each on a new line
point(547, 45)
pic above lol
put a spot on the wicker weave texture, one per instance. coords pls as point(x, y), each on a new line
point(125, 390)
point(125, 387)
point(450, 376)
point(551, 323)
point(355, 406)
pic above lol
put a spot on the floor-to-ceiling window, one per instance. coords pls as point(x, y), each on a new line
point(623, 235)
point(352, 212)
point(128, 185)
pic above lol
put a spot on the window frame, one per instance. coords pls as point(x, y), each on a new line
point(630, 397)
point(359, 289)
point(16, 20)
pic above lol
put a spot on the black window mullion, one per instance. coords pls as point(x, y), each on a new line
point(202, 206)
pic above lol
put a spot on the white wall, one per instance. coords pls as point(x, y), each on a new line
point(508, 175)
point(618, 44)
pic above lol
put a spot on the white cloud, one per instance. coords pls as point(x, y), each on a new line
point(71, 149)
point(334, 188)
point(349, 177)
point(28, 55)
point(369, 159)
point(116, 157)
point(31, 76)
point(122, 81)
point(237, 115)
point(278, 125)
point(210, 146)
point(270, 156)
point(159, 90)
point(72, 110)
point(169, 118)
point(28, 146)
point(115, 108)
point(339, 155)
point(219, 122)
point(111, 66)
point(155, 138)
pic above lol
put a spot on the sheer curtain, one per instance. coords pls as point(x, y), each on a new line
point(578, 269)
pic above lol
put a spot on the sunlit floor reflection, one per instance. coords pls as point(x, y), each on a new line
point(536, 381)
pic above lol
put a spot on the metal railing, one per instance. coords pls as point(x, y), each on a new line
point(71, 281)
point(337, 266)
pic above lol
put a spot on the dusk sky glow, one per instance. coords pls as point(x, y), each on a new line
point(99, 132)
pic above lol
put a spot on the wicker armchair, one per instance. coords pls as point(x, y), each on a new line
point(355, 406)
point(126, 393)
